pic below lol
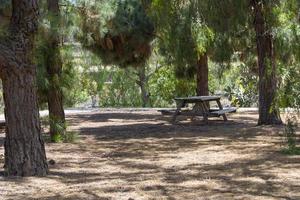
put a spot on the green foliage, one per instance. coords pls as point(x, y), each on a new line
point(62, 135)
point(238, 83)
point(120, 32)
point(70, 137)
point(164, 87)
point(287, 33)
point(70, 80)
point(244, 92)
point(120, 90)
point(56, 138)
point(289, 94)
point(59, 128)
point(184, 37)
point(290, 137)
point(188, 28)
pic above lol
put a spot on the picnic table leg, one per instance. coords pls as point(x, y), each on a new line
point(180, 104)
point(196, 108)
point(204, 112)
point(221, 108)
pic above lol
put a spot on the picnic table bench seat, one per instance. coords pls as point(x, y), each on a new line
point(201, 108)
point(224, 111)
point(213, 112)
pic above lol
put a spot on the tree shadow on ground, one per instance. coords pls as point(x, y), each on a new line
point(142, 156)
point(138, 150)
point(246, 177)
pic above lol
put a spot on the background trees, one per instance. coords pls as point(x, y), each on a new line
point(141, 53)
point(54, 71)
point(122, 38)
point(182, 32)
point(184, 40)
point(268, 110)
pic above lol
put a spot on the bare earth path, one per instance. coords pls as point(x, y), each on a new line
point(138, 155)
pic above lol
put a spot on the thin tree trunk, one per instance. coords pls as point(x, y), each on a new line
point(202, 76)
point(143, 83)
point(24, 146)
point(54, 70)
point(268, 111)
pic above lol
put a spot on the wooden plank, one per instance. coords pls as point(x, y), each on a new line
point(221, 108)
point(213, 113)
point(167, 112)
point(224, 111)
point(195, 99)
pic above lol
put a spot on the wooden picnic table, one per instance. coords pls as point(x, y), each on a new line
point(201, 107)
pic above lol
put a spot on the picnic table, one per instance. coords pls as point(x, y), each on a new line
point(201, 107)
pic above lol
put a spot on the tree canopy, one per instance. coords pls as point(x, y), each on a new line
point(120, 32)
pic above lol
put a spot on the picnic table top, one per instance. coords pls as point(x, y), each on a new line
point(198, 98)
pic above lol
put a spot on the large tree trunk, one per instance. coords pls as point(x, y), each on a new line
point(24, 146)
point(143, 83)
point(54, 70)
point(268, 111)
point(202, 76)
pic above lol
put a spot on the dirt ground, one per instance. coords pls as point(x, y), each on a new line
point(137, 155)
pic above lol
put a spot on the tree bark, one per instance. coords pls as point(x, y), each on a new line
point(202, 76)
point(24, 146)
point(268, 111)
point(143, 83)
point(54, 70)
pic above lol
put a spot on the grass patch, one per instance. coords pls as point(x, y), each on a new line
point(68, 137)
point(62, 135)
point(293, 151)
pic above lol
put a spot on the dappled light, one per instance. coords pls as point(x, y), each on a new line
point(143, 156)
point(151, 99)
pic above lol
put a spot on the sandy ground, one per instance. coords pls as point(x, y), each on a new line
point(136, 155)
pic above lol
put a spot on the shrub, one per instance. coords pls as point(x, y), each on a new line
point(290, 137)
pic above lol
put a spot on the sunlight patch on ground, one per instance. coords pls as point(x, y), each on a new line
point(202, 157)
point(144, 157)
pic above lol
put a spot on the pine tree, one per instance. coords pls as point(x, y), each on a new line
point(237, 17)
point(230, 23)
point(54, 72)
point(122, 38)
point(120, 35)
point(185, 40)
point(268, 110)
point(24, 146)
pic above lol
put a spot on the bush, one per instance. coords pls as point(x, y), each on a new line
point(70, 137)
point(290, 137)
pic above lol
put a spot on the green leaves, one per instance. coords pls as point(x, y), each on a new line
point(203, 37)
point(120, 32)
